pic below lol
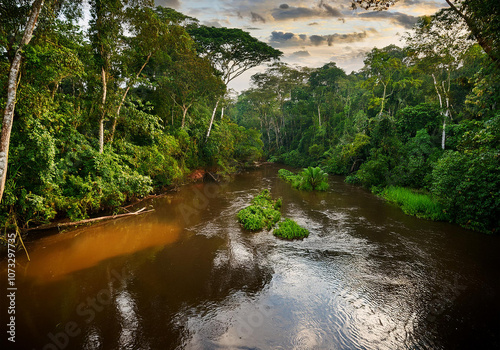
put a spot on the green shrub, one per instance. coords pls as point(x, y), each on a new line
point(374, 172)
point(416, 204)
point(345, 158)
point(468, 185)
point(286, 175)
point(289, 229)
point(263, 212)
point(314, 179)
point(295, 159)
point(310, 179)
point(411, 119)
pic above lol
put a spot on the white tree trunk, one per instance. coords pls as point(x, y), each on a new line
point(443, 137)
point(222, 114)
point(103, 105)
point(8, 116)
point(184, 112)
point(445, 115)
point(212, 119)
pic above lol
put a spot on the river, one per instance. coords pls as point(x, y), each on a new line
point(187, 276)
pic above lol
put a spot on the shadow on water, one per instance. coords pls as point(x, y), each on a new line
point(189, 277)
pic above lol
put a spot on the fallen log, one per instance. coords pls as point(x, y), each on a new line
point(86, 221)
point(212, 176)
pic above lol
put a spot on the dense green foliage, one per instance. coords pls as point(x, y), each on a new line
point(289, 229)
point(412, 203)
point(263, 212)
point(423, 117)
point(115, 112)
point(121, 108)
point(309, 179)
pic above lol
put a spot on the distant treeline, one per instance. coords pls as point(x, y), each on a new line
point(425, 117)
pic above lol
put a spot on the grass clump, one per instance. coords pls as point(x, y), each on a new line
point(289, 229)
point(309, 179)
point(287, 175)
point(416, 204)
point(263, 212)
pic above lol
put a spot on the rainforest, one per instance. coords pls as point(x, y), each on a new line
point(134, 101)
point(169, 182)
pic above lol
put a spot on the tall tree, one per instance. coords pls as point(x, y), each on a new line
point(8, 116)
point(232, 52)
point(384, 67)
point(190, 79)
point(106, 30)
point(324, 80)
point(150, 32)
point(439, 44)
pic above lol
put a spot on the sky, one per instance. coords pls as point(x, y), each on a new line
point(310, 33)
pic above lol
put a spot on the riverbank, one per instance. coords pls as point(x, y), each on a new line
point(421, 205)
point(210, 174)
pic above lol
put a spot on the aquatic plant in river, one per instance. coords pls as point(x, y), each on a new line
point(263, 212)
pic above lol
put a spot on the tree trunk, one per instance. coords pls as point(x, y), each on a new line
point(383, 101)
point(437, 91)
point(222, 114)
point(443, 137)
point(319, 116)
point(8, 116)
point(445, 115)
point(115, 121)
point(184, 112)
point(268, 133)
point(103, 106)
point(212, 120)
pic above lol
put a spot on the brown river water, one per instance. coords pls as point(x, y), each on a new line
point(187, 276)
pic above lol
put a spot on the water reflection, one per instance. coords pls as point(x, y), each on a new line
point(368, 277)
point(56, 256)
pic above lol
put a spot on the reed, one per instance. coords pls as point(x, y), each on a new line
point(418, 204)
point(289, 229)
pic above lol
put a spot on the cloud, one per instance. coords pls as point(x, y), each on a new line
point(300, 54)
point(317, 40)
point(348, 53)
point(430, 4)
point(404, 20)
point(330, 10)
point(288, 39)
point(257, 18)
point(168, 3)
point(212, 24)
point(331, 39)
point(286, 12)
point(281, 36)
point(313, 24)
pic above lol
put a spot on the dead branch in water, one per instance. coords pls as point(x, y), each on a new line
point(86, 221)
point(212, 176)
